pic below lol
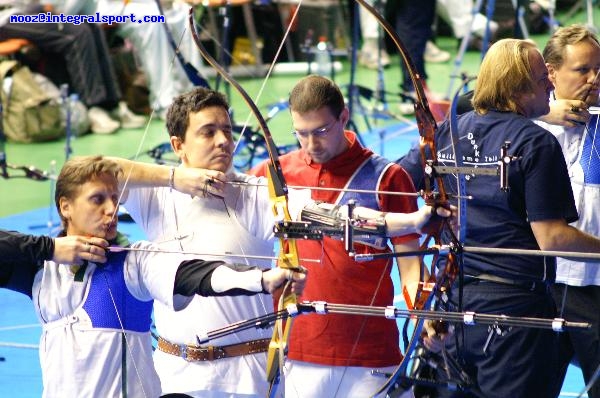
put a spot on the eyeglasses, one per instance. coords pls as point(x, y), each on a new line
point(316, 133)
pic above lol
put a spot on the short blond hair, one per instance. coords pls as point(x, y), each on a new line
point(79, 170)
point(504, 74)
point(554, 51)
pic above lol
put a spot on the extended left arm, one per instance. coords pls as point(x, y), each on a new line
point(399, 224)
point(217, 278)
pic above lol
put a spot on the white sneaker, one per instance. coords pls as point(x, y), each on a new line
point(434, 54)
point(406, 108)
point(101, 122)
point(129, 120)
point(368, 55)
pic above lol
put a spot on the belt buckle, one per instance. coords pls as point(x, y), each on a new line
point(183, 353)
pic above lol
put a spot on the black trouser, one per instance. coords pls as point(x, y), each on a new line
point(517, 361)
point(85, 52)
point(413, 25)
point(581, 304)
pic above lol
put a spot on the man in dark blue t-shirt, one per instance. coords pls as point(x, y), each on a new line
point(534, 213)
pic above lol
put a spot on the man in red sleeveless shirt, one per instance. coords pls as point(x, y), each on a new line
point(338, 352)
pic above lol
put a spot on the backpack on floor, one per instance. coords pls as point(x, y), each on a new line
point(30, 114)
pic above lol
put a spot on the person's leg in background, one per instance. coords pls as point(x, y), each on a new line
point(372, 38)
point(90, 71)
point(92, 76)
point(459, 15)
point(165, 75)
point(413, 25)
point(579, 304)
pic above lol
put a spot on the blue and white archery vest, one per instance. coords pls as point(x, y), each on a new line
point(84, 351)
point(589, 158)
point(108, 304)
point(364, 179)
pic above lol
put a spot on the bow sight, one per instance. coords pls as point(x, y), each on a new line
point(324, 219)
point(434, 170)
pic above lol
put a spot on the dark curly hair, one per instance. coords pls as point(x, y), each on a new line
point(178, 114)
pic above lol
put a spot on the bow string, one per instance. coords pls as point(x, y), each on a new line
point(427, 127)
point(278, 193)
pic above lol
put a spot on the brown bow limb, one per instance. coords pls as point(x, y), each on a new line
point(426, 123)
point(288, 256)
point(427, 130)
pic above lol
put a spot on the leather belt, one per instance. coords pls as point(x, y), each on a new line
point(193, 353)
point(533, 286)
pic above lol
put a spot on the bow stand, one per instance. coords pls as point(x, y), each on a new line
point(29, 172)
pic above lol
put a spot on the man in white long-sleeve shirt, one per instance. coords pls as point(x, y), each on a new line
point(572, 56)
